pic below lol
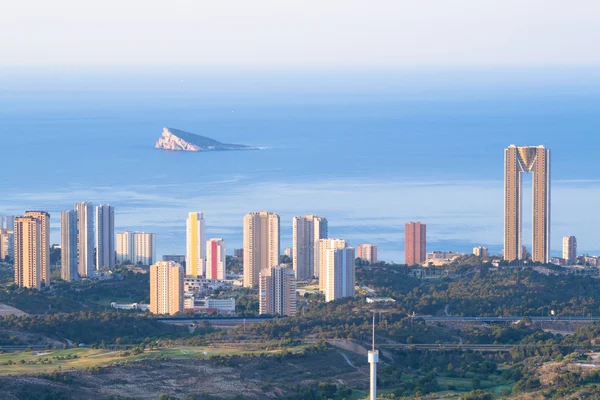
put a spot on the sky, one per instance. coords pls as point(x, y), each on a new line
point(299, 34)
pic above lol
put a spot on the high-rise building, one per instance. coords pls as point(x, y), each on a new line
point(28, 252)
point(105, 236)
point(415, 243)
point(125, 243)
point(196, 240)
point(277, 291)
point(261, 245)
point(7, 244)
point(85, 239)
point(68, 246)
point(7, 222)
point(570, 249)
point(307, 231)
point(337, 271)
point(44, 219)
point(238, 253)
point(368, 252)
point(166, 288)
point(288, 252)
point(216, 261)
point(480, 251)
point(136, 248)
point(516, 161)
point(178, 258)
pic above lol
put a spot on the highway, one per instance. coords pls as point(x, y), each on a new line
point(509, 319)
point(215, 321)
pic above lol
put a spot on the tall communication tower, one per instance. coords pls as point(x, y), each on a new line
point(373, 360)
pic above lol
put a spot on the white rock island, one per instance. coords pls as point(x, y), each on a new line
point(176, 140)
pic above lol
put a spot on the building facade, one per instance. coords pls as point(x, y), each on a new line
point(480, 251)
point(28, 252)
point(221, 305)
point(337, 270)
point(7, 244)
point(68, 246)
point(415, 243)
point(516, 161)
point(238, 253)
point(570, 250)
point(307, 231)
point(261, 245)
point(44, 219)
point(85, 239)
point(166, 288)
point(196, 240)
point(7, 222)
point(105, 236)
point(277, 291)
point(216, 259)
point(368, 252)
point(180, 259)
point(136, 248)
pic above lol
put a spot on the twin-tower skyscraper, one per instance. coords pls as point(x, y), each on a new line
point(519, 159)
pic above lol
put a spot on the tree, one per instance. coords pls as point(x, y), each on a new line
point(477, 395)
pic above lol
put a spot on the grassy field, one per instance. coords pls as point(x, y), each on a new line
point(30, 362)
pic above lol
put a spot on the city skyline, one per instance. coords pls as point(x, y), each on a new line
point(527, 162)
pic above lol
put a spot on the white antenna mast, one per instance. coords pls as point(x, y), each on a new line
point(373, 331)
point(373, 360)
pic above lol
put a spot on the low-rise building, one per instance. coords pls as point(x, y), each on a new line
point(226, 306)
point(133, 306)
point(199, 284)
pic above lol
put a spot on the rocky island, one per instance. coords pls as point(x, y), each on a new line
point(176, 140)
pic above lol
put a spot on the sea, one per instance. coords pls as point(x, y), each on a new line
point(368, 150)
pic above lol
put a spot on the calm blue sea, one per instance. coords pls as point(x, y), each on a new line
point(368, 153)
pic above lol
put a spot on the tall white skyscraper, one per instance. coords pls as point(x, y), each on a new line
point(7, 222)
point(337, 276)
point(277, 291)
point(68, 245)
point(196, 240)
point(125, 243)
point(136, 248)
point(307, 231)
point(105, 236)
point(216, 259)
point(261, 245)
point(85, 239)
point(570, 249)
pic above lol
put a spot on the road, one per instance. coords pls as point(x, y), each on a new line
point(509, 319)
point(233, 321)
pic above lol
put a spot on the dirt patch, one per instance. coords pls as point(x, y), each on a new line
point(253, 377)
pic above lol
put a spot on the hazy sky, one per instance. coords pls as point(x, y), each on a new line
point(299, 34)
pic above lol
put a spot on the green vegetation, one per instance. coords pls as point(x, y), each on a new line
point(505, 292)
point(95, 328)
point(533, 363)
point(64, 297)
